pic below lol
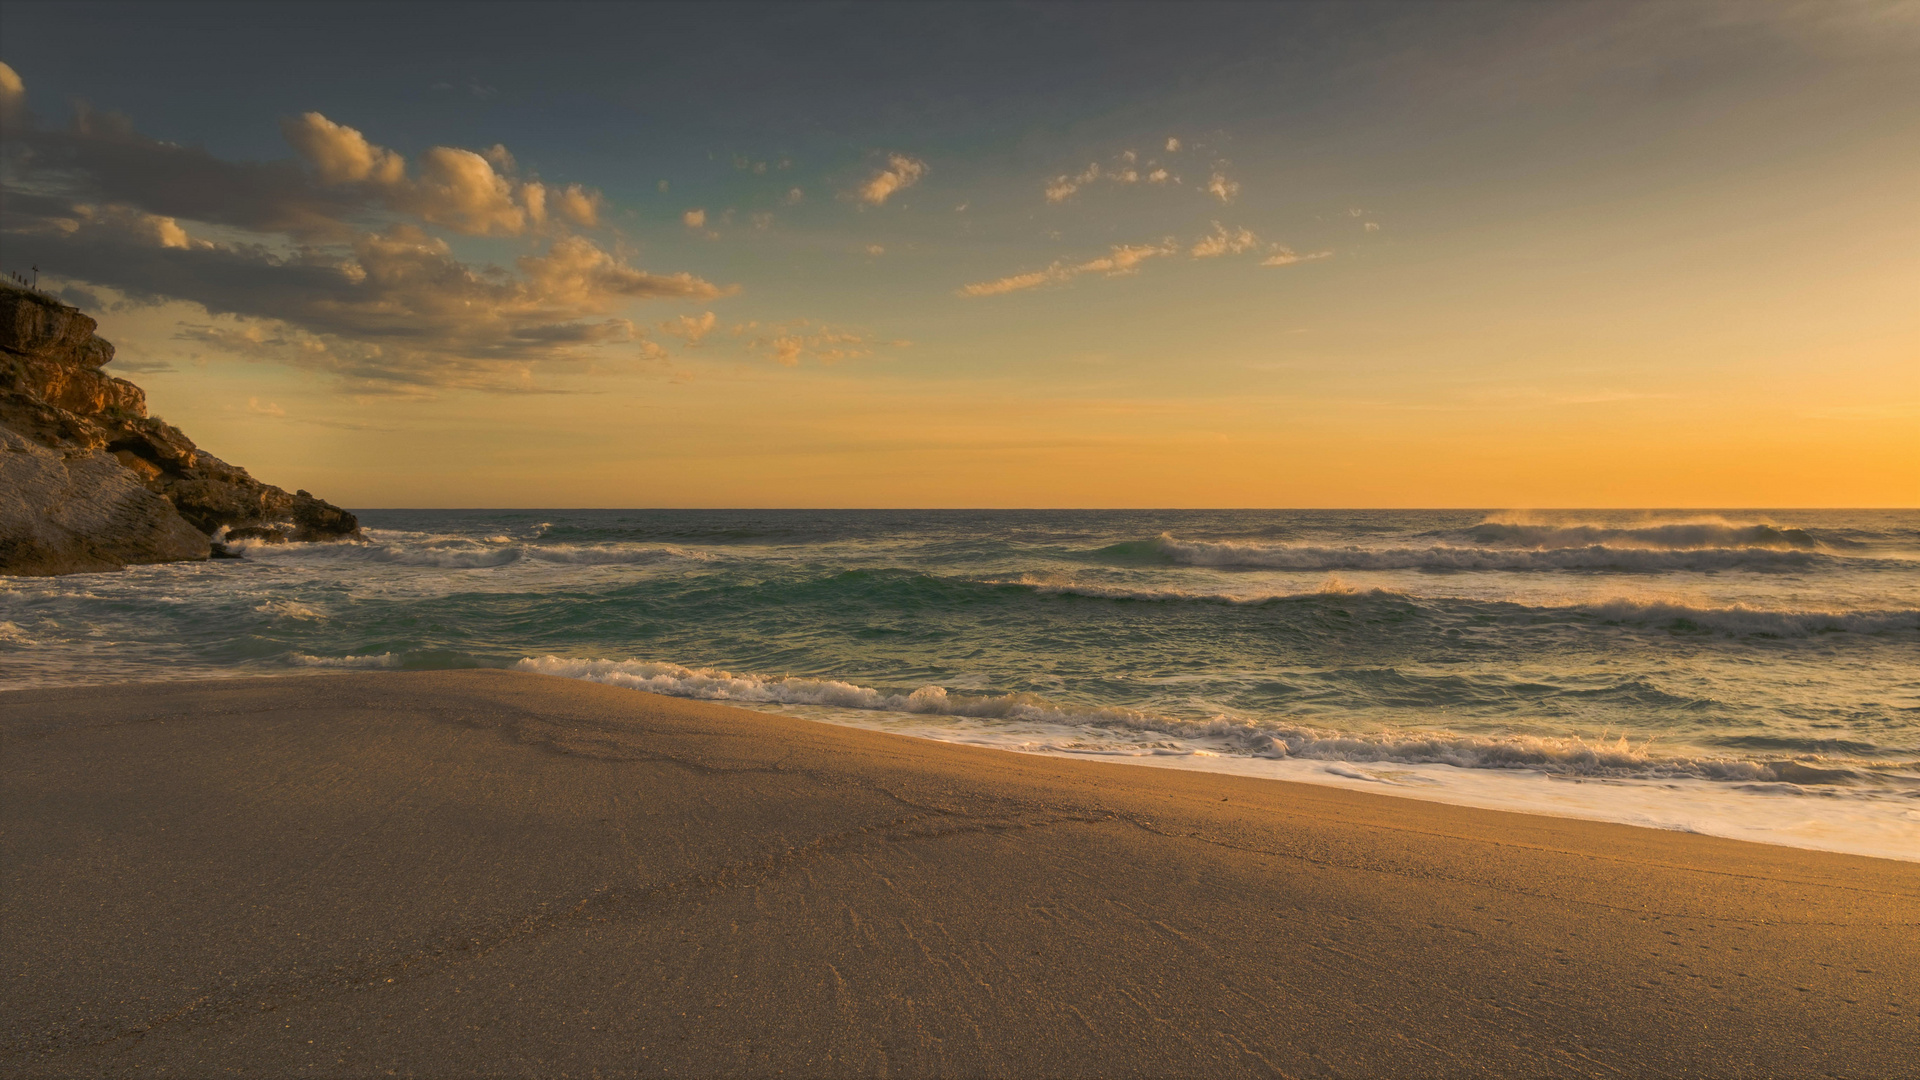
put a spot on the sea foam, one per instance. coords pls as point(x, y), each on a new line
point(378, 660)
point(1618, 758)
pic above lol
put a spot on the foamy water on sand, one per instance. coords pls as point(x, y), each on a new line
point(1744, 674)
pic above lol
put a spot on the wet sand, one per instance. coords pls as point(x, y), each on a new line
point(491, 873)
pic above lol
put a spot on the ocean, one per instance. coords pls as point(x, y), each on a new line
point(1742, 673)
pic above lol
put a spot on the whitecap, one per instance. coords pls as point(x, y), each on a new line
point(378, 660)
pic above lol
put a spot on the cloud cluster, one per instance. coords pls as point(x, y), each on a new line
point(900, 172)
point(790, 343)
point(1124, 169)
point(1128, 167)
point(1223, 241)
point(455, 188)
point(327, 261)
point(690, 328)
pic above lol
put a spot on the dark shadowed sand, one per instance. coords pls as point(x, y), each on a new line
point(478, 872)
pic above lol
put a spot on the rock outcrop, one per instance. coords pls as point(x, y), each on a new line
point(89, 481)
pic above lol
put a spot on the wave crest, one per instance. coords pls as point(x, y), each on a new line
point(378, 660)
point(1651, 613)
point(462, 553)
point(1228, 554)
point(1693, 535)
point(1571, 756)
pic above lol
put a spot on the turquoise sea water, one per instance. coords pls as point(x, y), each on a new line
point(1747, 673)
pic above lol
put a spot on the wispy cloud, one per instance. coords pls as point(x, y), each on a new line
point(1122, 259)
point(900, 172)
point(1286, 256)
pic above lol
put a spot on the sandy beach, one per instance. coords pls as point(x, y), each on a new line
point(488, 873)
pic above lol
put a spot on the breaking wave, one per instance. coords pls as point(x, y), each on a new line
point(1664, 536)
point(462, 553)
point(1759, 622)
point(288, 609)
point(1050, 586)
point(1570, 756)
point(378, 660)
point(1649, 613)
point(1230, 553)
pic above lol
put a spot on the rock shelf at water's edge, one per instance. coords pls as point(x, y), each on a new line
point(89, 481)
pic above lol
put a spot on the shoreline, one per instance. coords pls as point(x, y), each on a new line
point(1814, 817)
point(497, 872)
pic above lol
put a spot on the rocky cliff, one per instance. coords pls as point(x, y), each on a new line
point(89, 481)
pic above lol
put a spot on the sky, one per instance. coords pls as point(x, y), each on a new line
point(1075, 255)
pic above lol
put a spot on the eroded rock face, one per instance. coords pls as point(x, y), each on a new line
point(55, 398)
point(70, 510)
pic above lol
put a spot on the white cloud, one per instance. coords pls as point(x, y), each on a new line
point(1222, 188)
point(330, 261)
point(1286, 256)
point(694, 219)
point(580, 205)
point(1173, 145)
point(1120, 260)
point(1121, 171)
point(395, 312)
point(1063, 187)
point(1016, 282)
point(456, 188)
point(13, 93)
point(155, 229)
point(576, 275)
point(901, 172)
point(876, 249)
point(690, 328)
point(793, 197)
point(341, 154)
point(459, 189)
point(788, 344)
point(1221, 241)
point(1372, 226)
point(255, 406)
